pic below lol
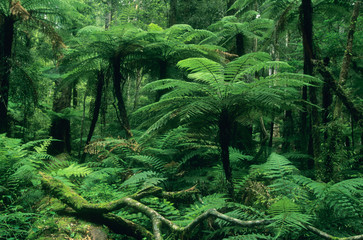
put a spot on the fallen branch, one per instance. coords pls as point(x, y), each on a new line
point(100, 213)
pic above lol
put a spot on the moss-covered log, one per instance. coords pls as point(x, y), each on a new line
point(101, 213)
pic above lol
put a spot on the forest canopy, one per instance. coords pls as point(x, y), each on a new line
point(155, 119)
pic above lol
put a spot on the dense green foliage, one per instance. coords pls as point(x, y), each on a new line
point(236, 109)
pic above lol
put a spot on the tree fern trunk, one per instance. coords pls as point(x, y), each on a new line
point(288, 131)
point(163, 68)
point(118, 82)
point(240, 47)
point(224, 142)
point(6, 42)
point(74, 96)
point(96, 109)
point(61, 127)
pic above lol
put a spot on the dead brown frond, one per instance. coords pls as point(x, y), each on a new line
point(19, 11)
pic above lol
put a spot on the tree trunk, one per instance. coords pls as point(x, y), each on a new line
point(137, 88)
point(97, 106)
point(61, 127)
point(6, 42)
point(82, 124)
point(224, 126)
point(288, 131)
point(96, 109)
point(347, 56)
point(163, 68)
point(310, 135)
point(118, 83)
point(108, 15)
point(74, 96)
point(240, 48)
point(172, 12)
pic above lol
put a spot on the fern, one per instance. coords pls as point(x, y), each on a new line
point(155, 163)
point(276, 167)
point(288, 217)
point(143, 180)
point(216, 201)
point(74, 170)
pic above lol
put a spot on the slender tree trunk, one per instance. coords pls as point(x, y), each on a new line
point(163, 68)
point(270, 142)
point(172, 12)
point(347, 56)
point(224, 143)
point(6, 43)
point(82, 124)
point(109, 14)
point(310, 134)
point(245, 132)
point(288, 131)
point(327, 101)
point(61, 127)
point(74, 96)
point(240, 48)
point(97, 106)
point(118, 83)
point(96, 109)
point(137, 88)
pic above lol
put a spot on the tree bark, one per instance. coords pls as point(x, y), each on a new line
point(97, 106)
point(96, 109)
point(163, 69)
point(139, 77)
point(172, 12)
point(310, 134)
point(224, 126)
point(347, 56)
point(118, 83)
point(6, 43)
point(356, 113)
point(287, 131)
point(61, 127)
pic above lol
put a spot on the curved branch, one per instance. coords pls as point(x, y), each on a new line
point(100, 213)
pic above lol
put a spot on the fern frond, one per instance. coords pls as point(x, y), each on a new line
point(143, 180)
point(277, 166)
point(236, 155)
point(74, 170)
point(287, 216)
point(203, 69)
point(155, 163)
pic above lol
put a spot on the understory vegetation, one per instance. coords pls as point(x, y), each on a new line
point(149, 119)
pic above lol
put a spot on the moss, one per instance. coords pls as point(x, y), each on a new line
point(60, 228)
